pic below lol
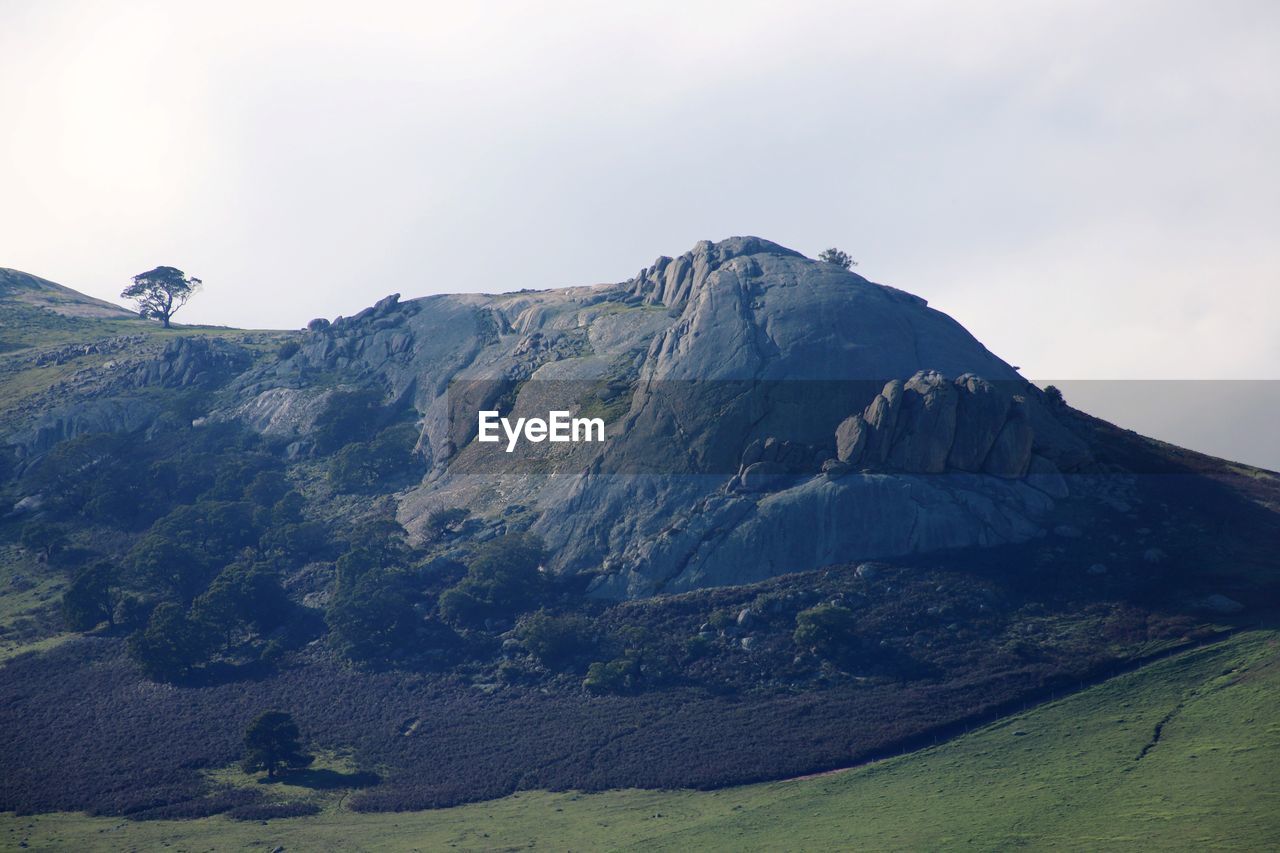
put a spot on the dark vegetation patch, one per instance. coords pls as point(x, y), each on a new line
point(727, 715)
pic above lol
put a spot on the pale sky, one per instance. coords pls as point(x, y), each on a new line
point(1091, 188)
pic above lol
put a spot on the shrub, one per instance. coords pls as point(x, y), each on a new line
point(360, 466)
point(184, 550)
point(76, 472)
point(502, 579)
point(458, 606)
point(731, 718)
point(373, 619)
point(556, 640)
point(131, 612)
point(288, 510)
point(445, 522)
point(828, 630)
point(721, 619)
point(319, 324)
point(697, 646)
point(266, 488)
point(616, 676)
point(171, 645)
point(295, 543)
point(837, 257)
point(288, 350)
point(91, 598)
point(243, 595)
point(198, 807)
point(42, 538)
point(347, 416)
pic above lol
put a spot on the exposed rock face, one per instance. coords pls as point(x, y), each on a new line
point(820, 522)
point(1011, 452)
point(881, 418)
point(671, 282)
point(189, 362)
point(766, 413)
point(81, 417)
point(109, 403)
point(926, 424)
point(743, 363)
point(851, 438)
point(932, 424)
point(1045, 476)
point(980, 414)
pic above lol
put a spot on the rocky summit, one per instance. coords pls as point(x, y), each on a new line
point(760, 366)
point(767, 413)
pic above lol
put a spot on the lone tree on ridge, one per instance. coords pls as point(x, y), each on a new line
point(161, 292)
point(837, 257)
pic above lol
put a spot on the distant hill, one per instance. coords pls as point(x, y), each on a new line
point(26, 289)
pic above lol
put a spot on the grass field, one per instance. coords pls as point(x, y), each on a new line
point(1085, 772)
point(26, 328)
point(29, 604)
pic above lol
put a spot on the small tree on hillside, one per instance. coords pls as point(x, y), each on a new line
point(272, 742)
point(161, 292)
point(837, 257)
point(372, 617)
point(91, 598)
point(172, 645)
point(43, 538)
point(502, 579)
point(828, 630)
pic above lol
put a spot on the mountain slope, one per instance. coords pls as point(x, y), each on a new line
point(305, 521)
point(1064, 774)
point(737, 354)
point(19, 288)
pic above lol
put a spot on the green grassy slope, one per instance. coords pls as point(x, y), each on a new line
point(30, 604)
point(38, 315)
point(1086, 772)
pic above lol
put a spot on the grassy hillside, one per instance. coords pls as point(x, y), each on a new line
point(54, 337)
point(30, 619)
point(1180, 754)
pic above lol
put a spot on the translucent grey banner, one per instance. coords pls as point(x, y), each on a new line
point(1234, 419)
point(926, 424)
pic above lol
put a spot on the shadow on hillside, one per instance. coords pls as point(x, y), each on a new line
point(320, 779)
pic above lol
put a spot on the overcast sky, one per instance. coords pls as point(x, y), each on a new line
point(1090, 187)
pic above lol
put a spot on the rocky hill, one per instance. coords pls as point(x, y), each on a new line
point(819, 500)
point(766, 413)
point(806, 406)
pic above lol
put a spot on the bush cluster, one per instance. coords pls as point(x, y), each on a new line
point(502, 580)
point(362, 465)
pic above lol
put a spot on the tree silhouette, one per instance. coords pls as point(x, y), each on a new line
point(91, 598)
point(172, 645)
point(837, 257)
point(273, 741)
point(161, 292)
